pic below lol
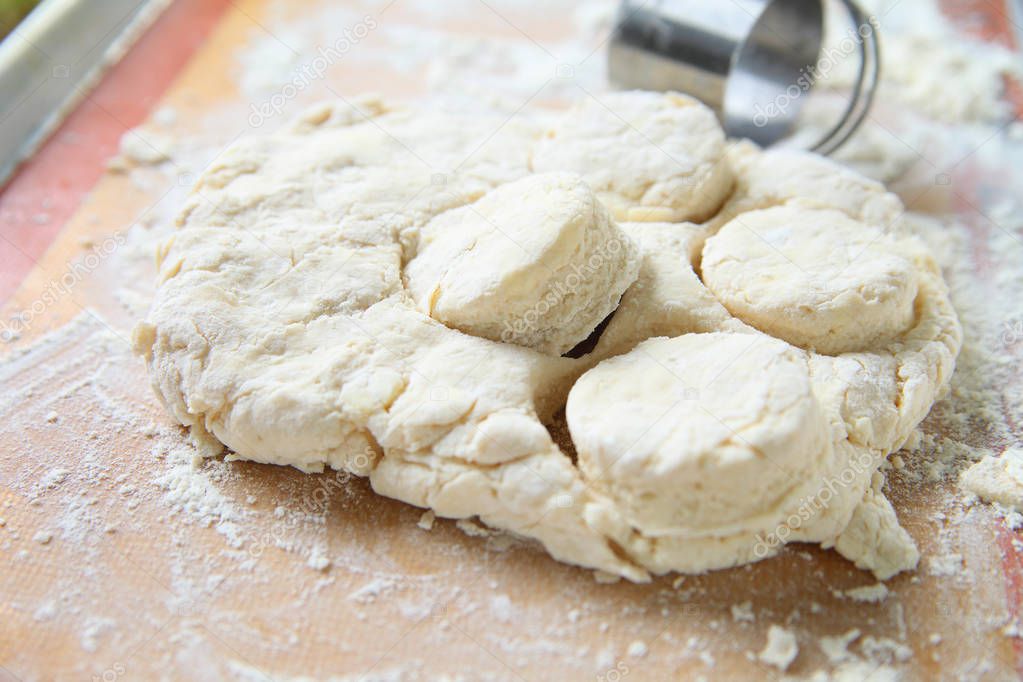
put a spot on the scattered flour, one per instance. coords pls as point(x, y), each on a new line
point(637, 649)
point(369, 592)
point(189, 489)
point(743, 612)
point(318, 560)
point(885, 649)
point(501, 607)
point(874, 594)
point(837, 648)
point(946, 565)
point(781, 648)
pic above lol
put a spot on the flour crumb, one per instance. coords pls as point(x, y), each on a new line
point(837, 648)
point(371, 590)
point(884, 649)
point(871, 594)
point(45, 612)
point(605, 659)
point(945, 565)
point(914, 441)
point(638, 649)
point(743, 612)
point(471, 528)
point(781, 648)
point(501, 607)
point(43, 537)
point(318, 560)
point(860, 671)
point(52, 417)
point(142, 148)
point(53, 478)
point(93, 630)
point(165, 116)
point(426, 520)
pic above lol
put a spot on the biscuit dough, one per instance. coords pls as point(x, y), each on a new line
point(537, 262)
point(286, 326)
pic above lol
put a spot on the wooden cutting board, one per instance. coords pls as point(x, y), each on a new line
point(121, 560)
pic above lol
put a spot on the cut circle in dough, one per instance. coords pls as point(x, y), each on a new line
point(765, 178)
point(650, 157)
point(672, 429)
point(537, 262)
point(813, 277)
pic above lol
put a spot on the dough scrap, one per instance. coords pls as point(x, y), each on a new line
point(284, 328)
point(813, 277)
point(650, 157)
point(997, 479)
point(874, 539)
point(537, 262)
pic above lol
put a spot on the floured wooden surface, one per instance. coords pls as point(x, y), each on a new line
point(122, 559)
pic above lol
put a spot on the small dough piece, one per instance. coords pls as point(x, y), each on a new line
point(650, 157)
point(813, 277)
point(672, 429)
point(997, 479)
point(874, 539)
point(537, 262)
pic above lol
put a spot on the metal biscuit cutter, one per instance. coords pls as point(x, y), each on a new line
point(752, 61)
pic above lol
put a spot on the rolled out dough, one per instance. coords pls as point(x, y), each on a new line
point(320, 306)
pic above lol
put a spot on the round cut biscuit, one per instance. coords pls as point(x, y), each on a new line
point(537, 262)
